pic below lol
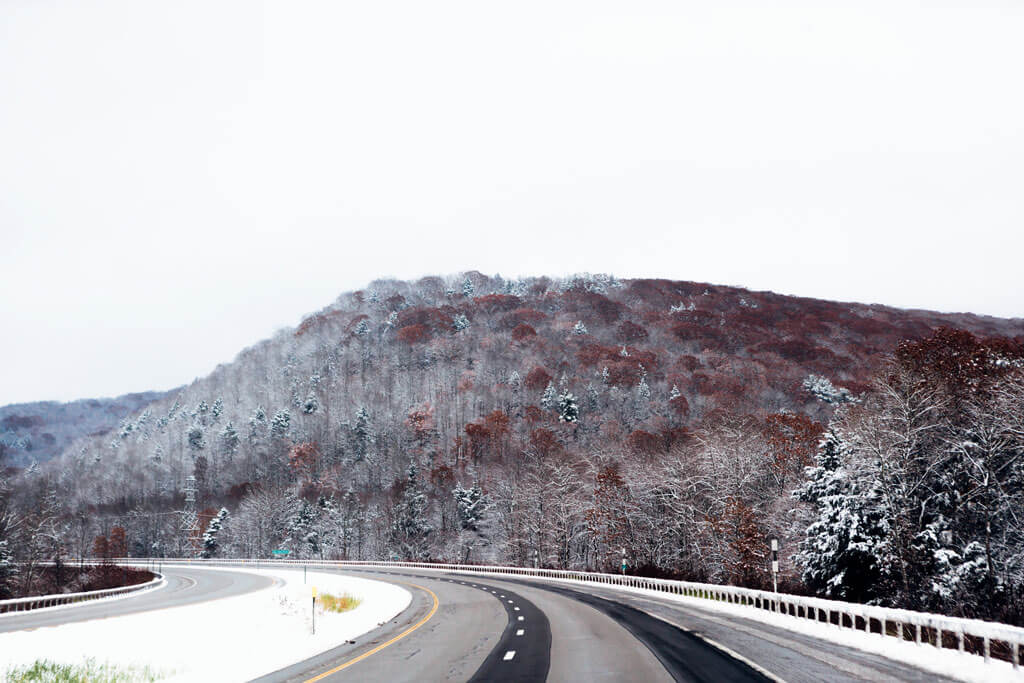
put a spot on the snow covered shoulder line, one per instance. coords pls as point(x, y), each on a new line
point(230, 639)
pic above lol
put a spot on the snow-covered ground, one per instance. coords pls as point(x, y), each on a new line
point(232, 639)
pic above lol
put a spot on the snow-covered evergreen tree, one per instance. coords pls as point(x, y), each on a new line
point(8, 570)
point(579, 328)
point(643, 391)
point(228, 440)
point(362, 328)
point(361, 436)
point(311, 404)
point(411, 528)
point(216, 410)
point(196, 440)
point(548, 398)
point(568, 409)
point(460, 323)
point(210, 542)
point(467, 288)
point(844, 555)
point(281, 423)
point(471, 505)
point(674, 394)
point(823, 389)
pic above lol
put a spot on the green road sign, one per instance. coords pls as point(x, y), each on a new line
point(285, 553)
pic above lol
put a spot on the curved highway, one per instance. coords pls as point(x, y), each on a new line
point(185, 585)
point(592, 634)
point(466, 628)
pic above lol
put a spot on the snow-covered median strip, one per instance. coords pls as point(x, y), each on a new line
point(232, 639)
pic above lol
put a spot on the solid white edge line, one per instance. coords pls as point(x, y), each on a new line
point(715, 644)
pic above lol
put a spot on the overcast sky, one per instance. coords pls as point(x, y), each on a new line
point(180, 179)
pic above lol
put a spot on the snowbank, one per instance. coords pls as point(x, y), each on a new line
point(232, 639)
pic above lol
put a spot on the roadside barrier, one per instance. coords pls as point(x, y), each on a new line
point(39, 601)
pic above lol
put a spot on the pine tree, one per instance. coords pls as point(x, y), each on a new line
point(410, 529)
point(643, 391)
point(674, 394)
point(568, 410)
point(257, 423)
point(593, 399)
point(217, 409)
point(8, 570)
point(228, 440)
point(362, 329)
point(460, 323)
point(548, 398)
point(844, 554)
point(467, 288)
point(311, 404)
point(579, 328)
point(196, 440)
point(471, 505)
point(361, 436)
point(281, 423)
point(210, 542)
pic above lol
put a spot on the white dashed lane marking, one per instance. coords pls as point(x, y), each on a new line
point(509, 655)
point(520, 631)
point(522, 618)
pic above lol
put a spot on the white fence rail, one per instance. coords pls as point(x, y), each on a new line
point(39, 601)
point(984, 638)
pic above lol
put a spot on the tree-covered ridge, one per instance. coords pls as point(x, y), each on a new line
point(482, 419)
point(36, 432)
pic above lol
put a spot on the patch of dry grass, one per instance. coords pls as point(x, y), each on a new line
point(336, 603)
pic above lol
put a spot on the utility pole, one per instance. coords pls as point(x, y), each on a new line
point(775, 565)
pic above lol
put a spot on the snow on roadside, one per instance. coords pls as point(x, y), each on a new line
point(232, 639)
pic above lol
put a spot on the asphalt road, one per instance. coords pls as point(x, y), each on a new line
point(592, 635)
point(463, 628)
point(184, 586)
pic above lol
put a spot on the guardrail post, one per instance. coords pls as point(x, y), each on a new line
point(988, 648)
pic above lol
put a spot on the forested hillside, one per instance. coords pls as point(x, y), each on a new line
point(565, 422)
point(41, 430)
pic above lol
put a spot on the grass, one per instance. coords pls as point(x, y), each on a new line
point(89, 671)
point(335, 603)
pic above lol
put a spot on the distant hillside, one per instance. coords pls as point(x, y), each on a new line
point(470, 379)
point(41, 430)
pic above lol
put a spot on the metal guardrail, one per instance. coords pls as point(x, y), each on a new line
point(17, 605)
point(939, 631)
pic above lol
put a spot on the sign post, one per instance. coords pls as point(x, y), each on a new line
point(314, 610)
point(775, 565)
point(623, 561)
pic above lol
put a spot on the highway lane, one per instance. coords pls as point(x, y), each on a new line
point(451, 645)
point(564, 639)
point(601, 634)
point(777, 652)
point(184, 586)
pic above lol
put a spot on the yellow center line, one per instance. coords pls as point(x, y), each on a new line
point(380, 647)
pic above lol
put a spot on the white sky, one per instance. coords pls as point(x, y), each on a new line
point(179, 179)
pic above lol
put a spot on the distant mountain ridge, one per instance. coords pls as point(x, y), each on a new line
point(41, 430)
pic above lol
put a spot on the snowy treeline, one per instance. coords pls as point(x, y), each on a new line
point(918, 494)
point(530, 421)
